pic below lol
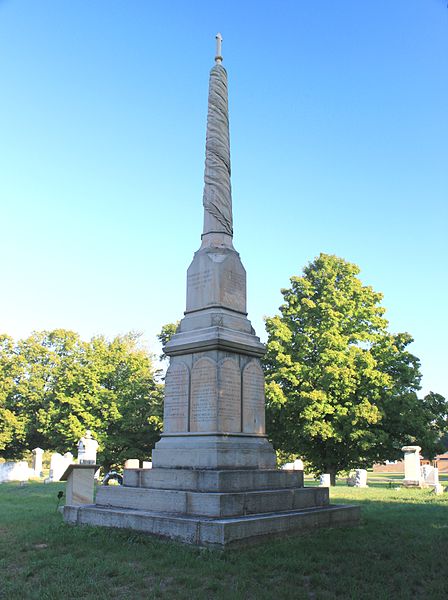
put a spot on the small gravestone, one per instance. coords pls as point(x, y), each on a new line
point(324, 480)
point(87, 449)
point(132, 463)
point(80, 483)
point(412, 473)
point(37, 461)
point(58, 465)
point(357, 478)
point(147, 464)
point(430, 478)
point(14, 471)
point(297, 465)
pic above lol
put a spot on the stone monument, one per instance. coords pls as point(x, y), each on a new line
point(412, 472)
point(87, 449)
point(58, 465)
point(37, 461)
point(213, 480)
point(357, 478)
point(14, 471)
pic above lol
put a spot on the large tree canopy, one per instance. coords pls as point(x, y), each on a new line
point(54, 386)
point(341, 390)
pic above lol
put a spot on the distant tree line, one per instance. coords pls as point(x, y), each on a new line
point(341, 390)
point(54, 386)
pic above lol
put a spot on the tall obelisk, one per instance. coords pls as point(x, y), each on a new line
point(214, 387)
point(213, 481)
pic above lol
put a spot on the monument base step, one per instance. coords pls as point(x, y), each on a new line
point(206, 480)
point(211, 532)
point(212, 504)
point(214, 451)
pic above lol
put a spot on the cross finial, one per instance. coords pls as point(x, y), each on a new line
point(218, 57)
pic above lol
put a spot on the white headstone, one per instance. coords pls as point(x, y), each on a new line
point(430, 477)
point(297, 465)
point(58, 465)
point(324, 480)
point(360, 478)
point(147, 464)
point(412, 474)
point(14, 471)
point(37, 461)
point(132, 463)
point(87, 448)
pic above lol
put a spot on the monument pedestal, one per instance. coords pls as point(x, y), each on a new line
point(213, 508)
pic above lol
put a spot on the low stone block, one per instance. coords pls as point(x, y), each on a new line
point(80, 484)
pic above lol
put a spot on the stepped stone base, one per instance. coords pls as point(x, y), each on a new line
point(214, 451)
point(215, 533)
point(209, 480)
point(213, 508)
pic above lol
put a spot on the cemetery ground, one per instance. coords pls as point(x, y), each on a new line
point(399, 551)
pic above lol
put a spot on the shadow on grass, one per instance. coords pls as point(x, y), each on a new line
point(398, 551)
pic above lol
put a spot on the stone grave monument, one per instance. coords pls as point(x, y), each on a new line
point(37, 461)
point(14, 471)
point(87, 449)
point(357, 478)
point(430, 478)
point(412, 471)
point(214, 480)
point(58, 465)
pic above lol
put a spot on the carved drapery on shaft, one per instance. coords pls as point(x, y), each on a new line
point(217, 197)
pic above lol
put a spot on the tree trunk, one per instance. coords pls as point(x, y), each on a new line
point(332, 476)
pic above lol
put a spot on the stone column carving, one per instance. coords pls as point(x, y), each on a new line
point(217, 198)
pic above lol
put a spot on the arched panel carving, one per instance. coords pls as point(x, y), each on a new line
point(177, 391)
point(204, 395)
point(253, 398)
point(229, 399)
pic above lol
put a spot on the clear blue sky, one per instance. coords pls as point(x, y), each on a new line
point(339, 133)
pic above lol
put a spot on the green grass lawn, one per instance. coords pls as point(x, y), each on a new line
point(400, 551)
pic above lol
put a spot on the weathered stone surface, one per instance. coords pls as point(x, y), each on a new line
point(212, 504)
point(357, 478)
point(214, 452)
point(216, 278)
point(177, 395)
point(87, 449)
point(216, 533)
point(213, 480)
point(229, 396)
point(324, 480)
point(14, 471)
point(253, 398)
point(204, 396)
point(37, 461)
point(80, 483)
point(58, 465)
point(412, 474)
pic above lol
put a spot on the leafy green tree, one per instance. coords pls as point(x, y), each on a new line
point(166, 334)
point(12, 426)
point(62, 386)
point(341, 390)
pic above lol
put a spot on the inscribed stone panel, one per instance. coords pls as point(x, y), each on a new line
point(229, 408)
point(177, 388)
point(204, 395)
point(253, 398)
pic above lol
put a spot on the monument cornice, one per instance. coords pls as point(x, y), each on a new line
point(215, 338)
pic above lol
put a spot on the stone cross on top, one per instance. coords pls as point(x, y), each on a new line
point(218, 57)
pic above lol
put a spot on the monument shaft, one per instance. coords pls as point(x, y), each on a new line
point(214, 386)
